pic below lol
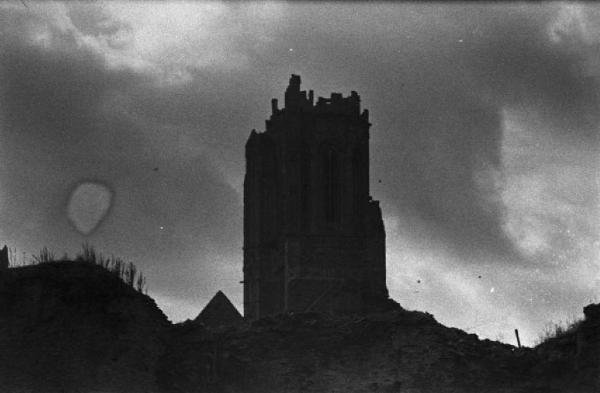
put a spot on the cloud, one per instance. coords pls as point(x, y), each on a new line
point(445, 138)
point(69, 115)
point(483, 145)
point(456, 184)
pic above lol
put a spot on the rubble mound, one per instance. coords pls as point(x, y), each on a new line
point(394, 351)
point(75, 327)
point(571, 361)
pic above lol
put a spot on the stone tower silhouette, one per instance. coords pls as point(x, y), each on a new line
point(314, 239)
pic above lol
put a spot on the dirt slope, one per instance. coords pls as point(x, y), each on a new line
point(397, 351)
point(74, 327)
point(70, 326)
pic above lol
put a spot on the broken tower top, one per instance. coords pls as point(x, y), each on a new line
point(297, 100)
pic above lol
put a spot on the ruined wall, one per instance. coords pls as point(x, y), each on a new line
point(588, 348)
point(4, 260)
point(376, 251)
point(313, 239)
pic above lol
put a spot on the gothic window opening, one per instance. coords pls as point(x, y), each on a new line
point(268, 194)
point(305, 188)
point(332, 186)
point(357, 170)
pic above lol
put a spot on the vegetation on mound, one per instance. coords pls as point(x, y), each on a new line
point(558, 330)
point(125, 271)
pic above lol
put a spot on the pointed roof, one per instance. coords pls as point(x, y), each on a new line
point(219, 312)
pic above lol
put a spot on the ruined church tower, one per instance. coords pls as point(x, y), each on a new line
point(313, 238)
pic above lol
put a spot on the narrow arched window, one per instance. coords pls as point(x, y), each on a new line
point(357, 183)
point(332, 186)
point(305, 188)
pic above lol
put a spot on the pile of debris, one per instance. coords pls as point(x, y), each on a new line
point(395, 351)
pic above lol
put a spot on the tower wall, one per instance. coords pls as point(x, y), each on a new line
point(313, 238)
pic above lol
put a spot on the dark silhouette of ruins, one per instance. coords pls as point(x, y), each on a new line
point(219, 312)
point(314, 240)
point(4, 259)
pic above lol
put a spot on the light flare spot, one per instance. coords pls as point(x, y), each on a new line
point(88, 205)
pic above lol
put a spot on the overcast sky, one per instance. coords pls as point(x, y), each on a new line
point(124, 124)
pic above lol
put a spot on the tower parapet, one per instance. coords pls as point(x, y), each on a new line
point(296, 100)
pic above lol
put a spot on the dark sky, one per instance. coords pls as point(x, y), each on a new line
point(124, 124)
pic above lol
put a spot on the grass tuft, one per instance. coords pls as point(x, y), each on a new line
point(44, 256)
point(554, 330)
point(125, 271)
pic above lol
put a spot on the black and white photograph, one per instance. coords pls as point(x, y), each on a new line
point(290, 197)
